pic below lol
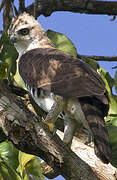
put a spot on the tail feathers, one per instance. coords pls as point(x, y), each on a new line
point(95, 118)
point(102, 153)
point(102, 146)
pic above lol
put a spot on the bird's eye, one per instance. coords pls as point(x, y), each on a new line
point(24, 31)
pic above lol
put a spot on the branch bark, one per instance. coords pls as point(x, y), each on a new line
point(99, 58)
point(30, 135)
point(47, 7)
point(7, 14)
point(103, 171)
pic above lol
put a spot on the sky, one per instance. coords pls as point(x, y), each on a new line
point(91, 35)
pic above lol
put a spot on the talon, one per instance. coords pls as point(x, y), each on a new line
point(67, 143)
point(54, 132)
point(50, 125)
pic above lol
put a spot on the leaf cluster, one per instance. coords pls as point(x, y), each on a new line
point(16, 165)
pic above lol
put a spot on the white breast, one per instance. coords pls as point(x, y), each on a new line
point(44, 99)
point(45, 102)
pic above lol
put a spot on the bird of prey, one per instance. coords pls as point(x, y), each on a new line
point(61, 84)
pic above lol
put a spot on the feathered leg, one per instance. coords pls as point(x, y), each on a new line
point(69, 129)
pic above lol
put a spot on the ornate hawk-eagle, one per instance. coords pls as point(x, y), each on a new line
point(60, 83)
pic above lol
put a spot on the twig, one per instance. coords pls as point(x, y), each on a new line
point(2, 4)
point(113, 18)
point(1, 31)
point(99, 58)
point(21, 6)
point(36, 9)
point(114, 67)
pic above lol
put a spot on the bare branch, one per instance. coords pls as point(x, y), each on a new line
point(36, 9)
point(2, 4)
point(99, 58)
point(78, 6)
point(7, 14)
point(21, 5)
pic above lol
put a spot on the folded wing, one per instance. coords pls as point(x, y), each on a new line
point(54, 70)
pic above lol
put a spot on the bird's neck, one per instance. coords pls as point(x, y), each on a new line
point(43, 43)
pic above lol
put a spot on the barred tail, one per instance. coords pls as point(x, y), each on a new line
point(94, 111)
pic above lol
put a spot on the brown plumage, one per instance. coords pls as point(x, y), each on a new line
point(55, 71)
point(60, 83)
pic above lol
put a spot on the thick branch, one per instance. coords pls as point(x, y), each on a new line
point(30, 135)
point(103, 171)
point(47, 7)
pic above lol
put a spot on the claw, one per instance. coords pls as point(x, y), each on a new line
point(50, 125)
point(67, 143)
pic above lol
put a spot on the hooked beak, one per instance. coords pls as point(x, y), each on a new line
point(13, 39)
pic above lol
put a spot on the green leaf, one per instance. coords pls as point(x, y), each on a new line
point(114, 121)
point(109, 79)
point(29, 165)
point(113, 106)
point(93, 63)
point(24, 158)
point(7, 172)
point(8, 53)
point(9, 154)
point(61, 42)
point(18, 80)
point(109, 84)
point(34, 168)
point(112, 129)
point(116, 81)
point(3, 70)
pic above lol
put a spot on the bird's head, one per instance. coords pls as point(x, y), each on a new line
point(26, 33)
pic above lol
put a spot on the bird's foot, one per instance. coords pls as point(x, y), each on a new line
point(67, 143)
point(51, 126)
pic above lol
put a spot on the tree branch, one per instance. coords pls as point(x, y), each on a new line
point(30, 135)
point(103, 171)
point(2, 4)
point(7, 14)
point(21, 6)
point(47, 7)
point(99, 58)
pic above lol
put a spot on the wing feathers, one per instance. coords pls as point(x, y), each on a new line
point(55, 71)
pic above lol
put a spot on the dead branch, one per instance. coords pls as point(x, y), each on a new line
point(7, 14)
point(98, 58)
point(47, 7)
point(21, 6)
point(2, 4)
